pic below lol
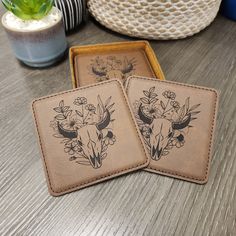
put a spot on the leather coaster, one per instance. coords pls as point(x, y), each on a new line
point(100, 62)
point(86, 136)
point(93, 68)
point(177, 125)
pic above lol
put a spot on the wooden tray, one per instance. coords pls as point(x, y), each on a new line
point(95, 63)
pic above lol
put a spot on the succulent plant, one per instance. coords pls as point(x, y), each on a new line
point(28, 9)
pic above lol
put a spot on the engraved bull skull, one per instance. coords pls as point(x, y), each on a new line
point(89, 138)
point(118, 73)
point(161, 131)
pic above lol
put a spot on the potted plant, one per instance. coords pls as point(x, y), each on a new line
point(35, 30)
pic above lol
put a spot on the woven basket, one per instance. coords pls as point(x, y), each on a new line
point(155, 19)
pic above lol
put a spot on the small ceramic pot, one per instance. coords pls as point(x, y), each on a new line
point(38, 48)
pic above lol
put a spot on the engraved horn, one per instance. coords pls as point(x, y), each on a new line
point(127, 69)
point(98, 72)
point(105, 121)
point(182, 124)
point(67, 133)
point(146, 119)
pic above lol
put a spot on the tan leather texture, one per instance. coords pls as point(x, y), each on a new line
point(97, 67)
point(95, 63)
point(86, 136)
point(177, 124)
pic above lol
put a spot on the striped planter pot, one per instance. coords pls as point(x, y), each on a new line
point(73, 12)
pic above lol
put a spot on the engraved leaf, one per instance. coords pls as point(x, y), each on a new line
point(99, 110)
point(146, 93)
point(147, 143)
point(164, 153)
point(107, 101)
point(195, 113)
point(86, 163)
point(60, 117)
point(110, 106)
point(68, 113)
point(57, 109)
point(104, 155)
point(194, 107)
point(163, 105)
point(169, 147)
point(193, 118)
point(66, 140)
point(153, 95)
point(182, 112)
point(65, 108)
point(100, 103)
point(61, 103)
point(58, 136)
point(72, 158)
point(79, 113)
point(144, 100)
point(151, 90)
point(153, 100)
point(104, 148)
point(187, 103)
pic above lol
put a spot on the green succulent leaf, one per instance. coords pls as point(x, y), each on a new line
point(28, 9)
point(6, 4)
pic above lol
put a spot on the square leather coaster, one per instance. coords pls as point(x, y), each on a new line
point(86, 136)
point(177, 125)
point(95, 63)
point(97, 67)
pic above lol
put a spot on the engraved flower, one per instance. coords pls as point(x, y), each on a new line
point(72, 147)
point(110, 138)
point(71, 122)
point(80, 101)
point(99, 61)
point(145, 131)
point(54, 124)
point(72, 158)
point(90, 107)
point(178, 141)
point(169, 95)
point(175, 105)
point(152, 110)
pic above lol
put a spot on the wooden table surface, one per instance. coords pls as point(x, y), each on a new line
point(136, 204)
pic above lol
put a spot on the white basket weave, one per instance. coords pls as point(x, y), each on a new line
point(155, 19)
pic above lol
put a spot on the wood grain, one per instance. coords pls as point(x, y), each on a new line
point(137, 204)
